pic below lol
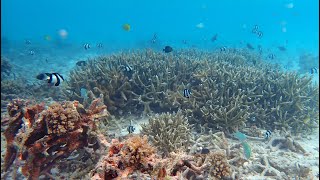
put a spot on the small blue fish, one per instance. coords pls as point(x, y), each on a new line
point(186, 93)
point(267, 134)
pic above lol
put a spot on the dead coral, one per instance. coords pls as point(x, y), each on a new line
point(168, 132)
point(287, 142)
point(135, 154)
point(40, 138)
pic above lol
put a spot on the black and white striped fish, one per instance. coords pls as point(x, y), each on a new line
point(130, 128)
point(86, 46)
point(223, 49)
point(52, 78)
point(186, 93)
point(267, 134)
point(260, 34)
point(313, 70)
point(255, 29)
point(127, 68)
point(271, 56)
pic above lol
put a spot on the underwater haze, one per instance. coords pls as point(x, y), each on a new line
point(170, 89)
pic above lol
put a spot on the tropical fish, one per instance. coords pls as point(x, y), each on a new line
point(130, 128)
point(81, 63)
point(186, 93)
point(313, 70)
point(99, 45)
point(282, 48)
point(84, 93)
point(205, 151)
point(260, 34)
point(126, 27)
point(214, 38)
point(167, 49)
point(223, 49)
point(240, 136)
point(127, 68)
point(31, 52)
point(47, 37)
point(246, 149)
point(52, 78)
point(86, 46)
point(255, 29)
point(249, 46)
point(267, 134)
point(271, 56)
point(154, 38)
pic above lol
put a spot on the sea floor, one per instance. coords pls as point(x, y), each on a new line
point(264, 164)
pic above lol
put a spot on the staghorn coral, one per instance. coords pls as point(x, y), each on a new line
point(168, 132)
point(229, 90)
point(39, 138)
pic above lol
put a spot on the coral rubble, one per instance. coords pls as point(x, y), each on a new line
point(39, 137)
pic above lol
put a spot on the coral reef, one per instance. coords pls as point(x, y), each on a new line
point(125, 159)
point(135, 154)
point(38, 138)
point(168, 132)
point(229, 90)
point(6, 68)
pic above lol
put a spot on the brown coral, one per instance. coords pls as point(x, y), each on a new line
point(219, 166)
point(40, 138)
point(126, 157)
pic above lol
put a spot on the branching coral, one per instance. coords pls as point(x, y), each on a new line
point(228, 89)
point(168, 132)
point(40, 138)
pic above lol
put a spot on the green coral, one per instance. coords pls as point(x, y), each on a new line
point(168, 132)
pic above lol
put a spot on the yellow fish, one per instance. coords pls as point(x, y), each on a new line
point(306, 120)
point(126, 27)
point(47, 37)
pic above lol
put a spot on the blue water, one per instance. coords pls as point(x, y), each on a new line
point(99, 21)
